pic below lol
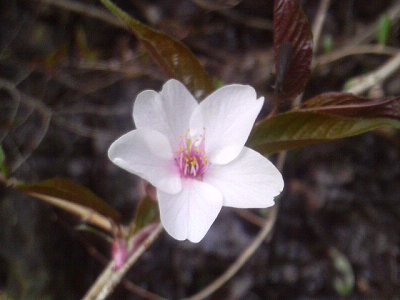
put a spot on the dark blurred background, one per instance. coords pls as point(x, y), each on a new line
point(67, 83)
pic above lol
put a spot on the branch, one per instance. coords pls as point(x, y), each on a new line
point(358, 50)
point(86, 214)
point(110, 278)
point(88, 10)
point(319, 22)
point(242, 259)
point(372, 79)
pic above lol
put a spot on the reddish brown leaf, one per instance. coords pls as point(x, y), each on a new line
point(66, 191)
point(283, 61)
point(349, 105)
point(291, 26)
point(173, 57)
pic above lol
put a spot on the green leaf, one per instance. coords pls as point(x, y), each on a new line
point(66, 193)
point(3, 167)
point(343, 279)
point(174, 58)
point(327, 43)
point(383, 31)
point(146, 213)
point(84, 51)
point(95, 231)
point(296, 129)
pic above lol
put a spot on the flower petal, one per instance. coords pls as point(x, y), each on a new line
point(147, 153)
point(249, 181)
point(189, 214)
point(228, 116)
point(167, 112)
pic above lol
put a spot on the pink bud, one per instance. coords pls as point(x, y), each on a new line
point(119, 252)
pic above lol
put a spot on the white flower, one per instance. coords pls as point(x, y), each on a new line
point(194, 155)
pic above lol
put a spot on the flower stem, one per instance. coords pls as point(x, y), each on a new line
point(110, 278)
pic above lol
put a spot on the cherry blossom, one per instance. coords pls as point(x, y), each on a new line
point(194, 155)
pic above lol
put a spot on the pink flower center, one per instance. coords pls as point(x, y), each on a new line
point(191, 157)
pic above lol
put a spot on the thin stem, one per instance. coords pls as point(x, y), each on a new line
point(319, 22)
point(358, 50)
point(376, 77)
point(86, 214)
point(88, 10)
point(16, 99)
point(110, 278)
point(242, 259)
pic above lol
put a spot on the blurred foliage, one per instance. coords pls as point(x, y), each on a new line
point(174, 58)
point(384, 29)
point(3, 167)
point(343, 279)
point(65, 191)
point(324, 118)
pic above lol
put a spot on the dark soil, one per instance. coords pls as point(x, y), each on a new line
point(338, 229)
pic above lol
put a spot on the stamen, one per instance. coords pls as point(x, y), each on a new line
point(191, 158)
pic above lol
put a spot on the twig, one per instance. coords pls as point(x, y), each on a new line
point(81, 129)
point(86, 214)
point(88, 10)
point(250, 217)
point(101, 14)
point(319, 22)
point(252, 22)
point(16, 99)
point(14, 35)
point(216, 5)
point(242, 259)
point(369, 32)
point(110, 278)
point(38, 138)
point(63, 122)
point(47, 115)
point(129, 285)
point(358, 50)
point(96, 110)
point(223, 8)
point(376, 77)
